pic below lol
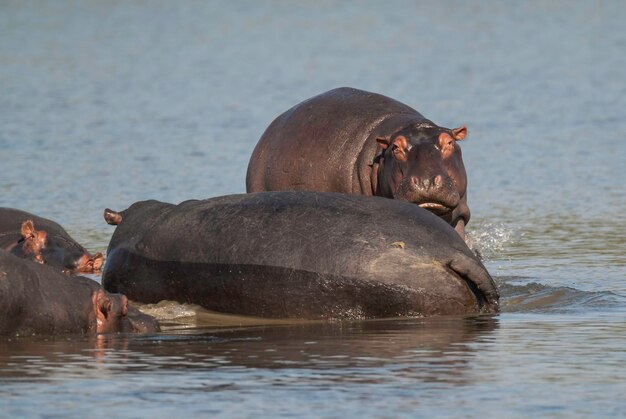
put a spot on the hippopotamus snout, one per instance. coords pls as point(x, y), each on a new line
point(87, 263)
point(72, 262)
point(437, 194)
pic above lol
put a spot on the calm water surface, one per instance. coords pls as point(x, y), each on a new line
point(106, 103)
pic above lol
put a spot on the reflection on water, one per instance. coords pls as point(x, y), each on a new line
point(319, 345)
point(328, 366)
point(243, 365)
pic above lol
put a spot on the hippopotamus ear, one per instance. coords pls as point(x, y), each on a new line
point(459, 133)
point(34, 240)
point(102, 305)
point(28, 229)
point(112, 217)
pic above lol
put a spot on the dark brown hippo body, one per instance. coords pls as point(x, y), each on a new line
point(356, 142)
point(31, 237)
point(296, 255)
point(38, 299)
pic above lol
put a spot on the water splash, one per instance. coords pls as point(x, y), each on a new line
point(489, 240)
point(171, 312)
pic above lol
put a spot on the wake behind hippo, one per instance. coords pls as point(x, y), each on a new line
point(36, 238)
point(296, 255)
point(356, 142)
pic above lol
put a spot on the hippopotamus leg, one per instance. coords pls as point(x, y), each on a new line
point(478, 280)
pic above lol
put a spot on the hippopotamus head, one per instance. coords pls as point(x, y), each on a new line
point(55, 251)
point(422, 164)
point(111, 311)
point(114, 315)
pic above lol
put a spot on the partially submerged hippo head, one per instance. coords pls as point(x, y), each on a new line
point(114, 315)
point(111, 311)
point(39, 299)
point(52, 250)
point(422, 164)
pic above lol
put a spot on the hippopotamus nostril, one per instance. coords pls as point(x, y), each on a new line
point(438, 181)
point(414, 180)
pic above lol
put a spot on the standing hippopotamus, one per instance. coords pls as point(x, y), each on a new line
point(38, 299)
point(296, 255)
point(32, 237)
point(350, 141)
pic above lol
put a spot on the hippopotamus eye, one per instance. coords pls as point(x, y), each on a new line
point(445, 143)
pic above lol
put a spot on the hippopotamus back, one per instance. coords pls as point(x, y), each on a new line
point(296, 254)
point(326, 143)
point(11, 219)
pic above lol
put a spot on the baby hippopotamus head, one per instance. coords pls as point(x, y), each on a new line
point(423, 164)
point(55, 251)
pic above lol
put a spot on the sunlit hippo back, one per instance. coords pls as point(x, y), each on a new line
point(307, 255)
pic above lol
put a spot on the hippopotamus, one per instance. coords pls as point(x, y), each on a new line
point(38, 299)
point(29, 236)
point(356, 142)
point(296, 254)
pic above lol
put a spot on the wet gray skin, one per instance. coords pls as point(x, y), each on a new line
point(296, 255)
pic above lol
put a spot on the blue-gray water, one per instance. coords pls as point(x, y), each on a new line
point(103, 103)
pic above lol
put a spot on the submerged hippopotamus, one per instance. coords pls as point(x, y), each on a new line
point(29, 236)
point(350, 141)
point(38, 299)
point(299, 254)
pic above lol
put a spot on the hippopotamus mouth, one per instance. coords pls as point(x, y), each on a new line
point(436, 208)
point(440, 199)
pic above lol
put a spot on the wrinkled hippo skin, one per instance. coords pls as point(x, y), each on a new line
point(296, 255)
point(356, 142)
point(31, 237)
point(36, 299)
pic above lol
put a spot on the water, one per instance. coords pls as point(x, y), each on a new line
point(106, 103)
